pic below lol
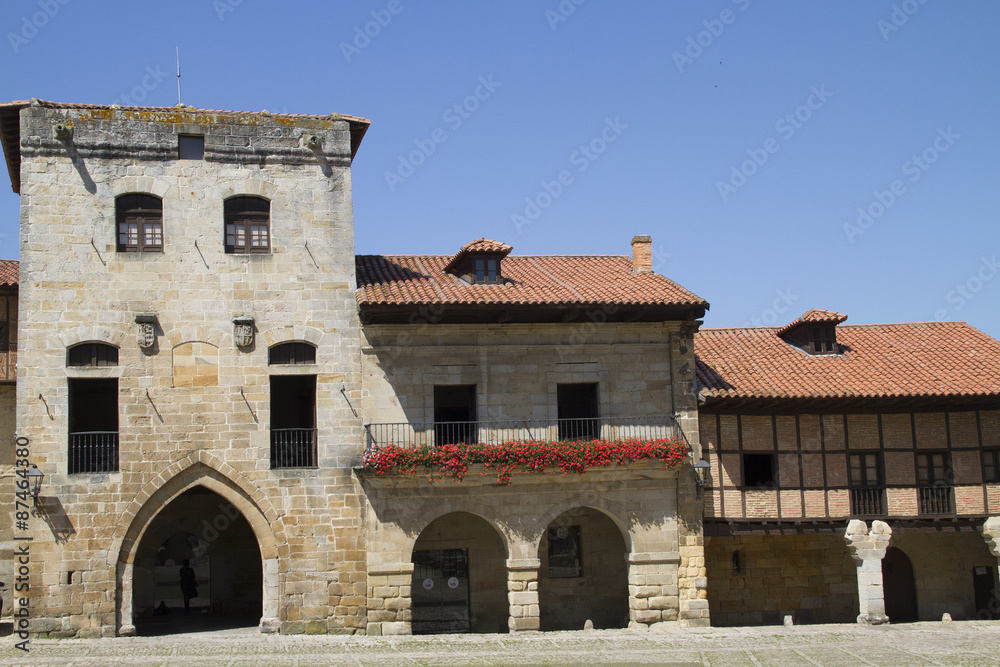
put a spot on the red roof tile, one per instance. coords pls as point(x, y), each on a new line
point(876, 360)
point(8, 272)
point(814, 316)
point(407, 280)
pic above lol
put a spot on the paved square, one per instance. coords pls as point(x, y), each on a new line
point(959, 643)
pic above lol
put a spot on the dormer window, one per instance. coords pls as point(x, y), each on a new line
point(479, 262)
point(487, 270)
point(823, 340)
point(815, 332)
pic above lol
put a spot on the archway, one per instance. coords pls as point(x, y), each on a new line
point(584, 573)
point(459, 577)
point(899, 587)
point(200, 526)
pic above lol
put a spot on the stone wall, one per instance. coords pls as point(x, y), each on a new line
point(943, 563)
point(640, 369)
point(810, 577)
point(213, 432)
point(640, 501)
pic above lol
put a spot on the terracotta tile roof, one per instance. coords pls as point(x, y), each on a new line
point(812, 317)
point(478, 246)
point(8, 272)
point(10, 125)
point(407, 280)
point(877, 360)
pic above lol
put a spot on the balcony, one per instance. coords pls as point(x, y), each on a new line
point(293, 448)
point(868, 501)
point(494, 432)
point(93, 451)
point(936, 499)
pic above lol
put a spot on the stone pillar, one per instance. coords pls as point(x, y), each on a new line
point(389, 602)
point(653, 593)
point(991, 533)
point(522, 594)
point(126, 624)
point(867, 548)
point(269, 622)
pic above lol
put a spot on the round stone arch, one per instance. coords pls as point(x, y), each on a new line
point(215, 335)
point(253, 187)
point(273, 337)
point(583, 554)
point(611, 510)
point(200, 469)
point(140, 185)
point(89, 333)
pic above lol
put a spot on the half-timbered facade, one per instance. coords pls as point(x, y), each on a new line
point(847, 461)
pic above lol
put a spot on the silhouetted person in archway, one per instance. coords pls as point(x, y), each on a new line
point(189, 587)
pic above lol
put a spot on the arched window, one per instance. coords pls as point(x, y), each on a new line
point(140, 223)
point(292, 353)
point(92, 354)
point(248, 225)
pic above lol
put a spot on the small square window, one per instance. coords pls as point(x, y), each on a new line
point(190, 147)
point(758, 470)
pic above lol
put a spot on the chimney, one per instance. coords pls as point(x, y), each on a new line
point(642, 254)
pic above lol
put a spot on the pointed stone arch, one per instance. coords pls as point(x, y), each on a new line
point(199, 469)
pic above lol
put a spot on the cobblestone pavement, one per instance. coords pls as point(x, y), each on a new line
point(958, 643)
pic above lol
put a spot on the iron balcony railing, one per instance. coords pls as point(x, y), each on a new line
point(868, 501)
point(293, 448)
point(93, 451)
point(494, 432)
point(936, 499)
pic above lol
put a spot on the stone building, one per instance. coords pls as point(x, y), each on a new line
point(188, 310)
point(854, 471)
point(203, 362)
point(489, 347)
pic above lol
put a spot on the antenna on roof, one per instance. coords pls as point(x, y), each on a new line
point(179, 103)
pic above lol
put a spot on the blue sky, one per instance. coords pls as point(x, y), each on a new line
point(783, 155)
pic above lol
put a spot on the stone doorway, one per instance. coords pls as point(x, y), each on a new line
point(459, 579)
point(584, 573)
point(200, 526)
point(899, 587)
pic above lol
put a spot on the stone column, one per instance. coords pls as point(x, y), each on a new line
point(522, 594)
point(126, 624)
point(389, 602)
point(991, 533)
point(269, 622)
point(868, 549)
point(653, 593)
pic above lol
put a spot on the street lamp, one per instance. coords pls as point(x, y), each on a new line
point(701, 469)
point(35, 477)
